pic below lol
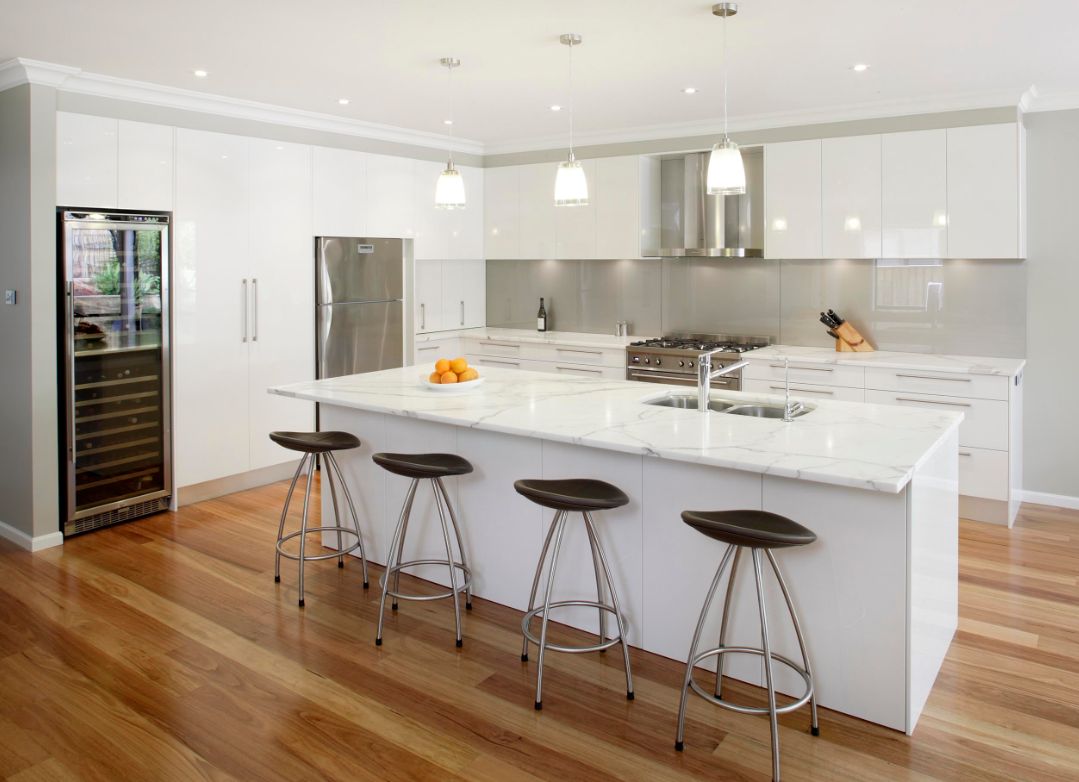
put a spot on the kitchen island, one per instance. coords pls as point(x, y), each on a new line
point(877, 593)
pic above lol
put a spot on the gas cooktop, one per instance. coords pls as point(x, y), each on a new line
point(700, 343)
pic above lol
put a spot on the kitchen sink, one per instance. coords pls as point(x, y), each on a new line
point(685, 402)
point(763, 411)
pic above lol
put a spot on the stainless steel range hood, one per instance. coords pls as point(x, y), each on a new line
point(695, 224)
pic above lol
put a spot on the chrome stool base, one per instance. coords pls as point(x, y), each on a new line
point(331, 468)
point(454, 561)
point(732, 556)
point(603, 575)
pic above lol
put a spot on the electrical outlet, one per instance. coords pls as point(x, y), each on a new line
point(9, 296)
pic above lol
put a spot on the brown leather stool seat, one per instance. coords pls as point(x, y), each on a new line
point(315, 442)
point(423, 465)
point(751, 528)
point(572, 494)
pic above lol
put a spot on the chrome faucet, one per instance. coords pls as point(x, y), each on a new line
point(789, 410)
point(705, 373)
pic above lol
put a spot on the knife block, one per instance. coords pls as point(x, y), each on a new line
point(850, 341)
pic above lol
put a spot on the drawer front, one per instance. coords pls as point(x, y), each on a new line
point(939, 383)
point(565, 354)
point(983, 473)
point(495, 347)
point(806, 390)
point(494, 361)
point(806, 372)
point(583, 370)
point(430, 352)
point(985, 424)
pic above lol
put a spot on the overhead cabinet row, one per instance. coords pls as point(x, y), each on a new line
point(948, 193)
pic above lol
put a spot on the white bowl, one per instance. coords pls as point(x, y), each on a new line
point(450, 388)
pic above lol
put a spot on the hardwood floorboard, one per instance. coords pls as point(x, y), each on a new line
point(163, 650)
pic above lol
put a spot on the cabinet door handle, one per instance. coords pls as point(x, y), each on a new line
point(244, 293)
point(965, 453)
point(580, 370)
point(254, 309)
point(462, 312)
point(489, 344)
point(932, 402)
point(930, 377)
point(807, 369)
point(493, 361)
point(423, 315)
point(579, 350)
point(803, 390)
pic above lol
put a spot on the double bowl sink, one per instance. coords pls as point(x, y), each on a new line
point(729, 406)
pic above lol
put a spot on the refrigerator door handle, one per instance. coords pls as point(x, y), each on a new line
point(423, 315)
point(243, 285)
point(462, 312)
point(254, 309)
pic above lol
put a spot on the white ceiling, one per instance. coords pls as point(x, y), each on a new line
point(788, 57)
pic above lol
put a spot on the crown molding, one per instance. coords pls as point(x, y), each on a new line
point(714, 126)
point(1038, 100)
point(68, 79)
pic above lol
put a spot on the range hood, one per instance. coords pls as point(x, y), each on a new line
point(695, 224)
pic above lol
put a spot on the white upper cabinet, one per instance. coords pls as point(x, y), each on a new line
point(983, 192)
point(575, 226)
point(427, 304)
point(617, 193)
point(86, 160)
point(914, 199)
point(502, 212)
point(340, 192)
point(390, 196)
point(792, 200)
point(432, 226)
point(537, 210)
point(466, 225)
point(851, 197)
point(145, 166)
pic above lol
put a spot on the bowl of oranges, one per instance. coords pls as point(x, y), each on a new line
point(452, 374)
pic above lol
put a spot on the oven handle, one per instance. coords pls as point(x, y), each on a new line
point(651, 374)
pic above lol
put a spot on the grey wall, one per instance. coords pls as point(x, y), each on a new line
point(28, 459)
point(966, 307)
point(1051, 442)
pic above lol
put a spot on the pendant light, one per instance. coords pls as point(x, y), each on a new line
point(450, 188)
point(570, 185)
point(726, 172)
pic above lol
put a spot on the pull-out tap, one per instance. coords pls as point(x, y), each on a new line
point(705, 374)
point(789, 410)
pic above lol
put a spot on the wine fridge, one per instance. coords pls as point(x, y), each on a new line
point(116, 443)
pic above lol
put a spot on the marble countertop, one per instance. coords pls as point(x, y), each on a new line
point(886, 359)
point(575, 338)
point(865, 446)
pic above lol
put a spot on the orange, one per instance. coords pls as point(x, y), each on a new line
point(442, 366)
point(434, 378)
point(448, 377)
point(468, 374)
point(459, 365)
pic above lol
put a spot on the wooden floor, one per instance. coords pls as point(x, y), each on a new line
point(163, 650)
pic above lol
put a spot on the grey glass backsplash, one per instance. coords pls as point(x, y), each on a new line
point(975, 307)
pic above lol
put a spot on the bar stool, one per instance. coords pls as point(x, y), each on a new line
point(564, 497)
point(759, 531)
point(312, 445)
point(433, 467)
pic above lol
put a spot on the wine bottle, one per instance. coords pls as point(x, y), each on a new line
point(541, 317)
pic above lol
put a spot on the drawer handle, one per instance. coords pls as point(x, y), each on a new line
point(808, 369)
point(577, 350)
point(429, 347)
point(580, 369)
point(803, 390)
point(965, 453)
point(503, 363)
point(501, 345)
point(933, 402)
point(931, 377)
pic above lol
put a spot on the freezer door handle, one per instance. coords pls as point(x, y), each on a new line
point(243, 296)
point(462, 312)
point(254, 309)
point(423, 316)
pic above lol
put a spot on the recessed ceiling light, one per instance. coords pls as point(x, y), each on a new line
point(556, 107)
point(860, 67)
point(447, 122)
point(689, 90)
point(343, 101)
point(201, 74)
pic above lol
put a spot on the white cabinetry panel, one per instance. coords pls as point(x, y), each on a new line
point(464, 294)
point(432, 226)
point(618, 207)
point(502, 212)
point(914, 198)
point(390, 210)
point(86, 160)
point(145, 166)
point(792, 200)
point(537, 210)
point(428, 300)
point(466, 225)
point(983, 191)
point(340, 192)
point(575, 226)
point(851, 197)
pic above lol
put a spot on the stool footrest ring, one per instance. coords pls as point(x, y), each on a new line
point(711, 698)
point(315, 557)
point(461, 588)
point(535, 612)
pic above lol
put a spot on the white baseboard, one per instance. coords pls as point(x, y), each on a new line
point(36, 543)
point(1056, 500)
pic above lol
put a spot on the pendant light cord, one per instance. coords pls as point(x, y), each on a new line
point(449, 81)
point(725, 136)
point(571, 101)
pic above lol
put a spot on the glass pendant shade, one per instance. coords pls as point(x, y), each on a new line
point(450, 189)
point(726, 172)
point(570, 184)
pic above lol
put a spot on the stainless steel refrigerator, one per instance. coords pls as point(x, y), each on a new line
point(360, 285)
point(115, 421)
